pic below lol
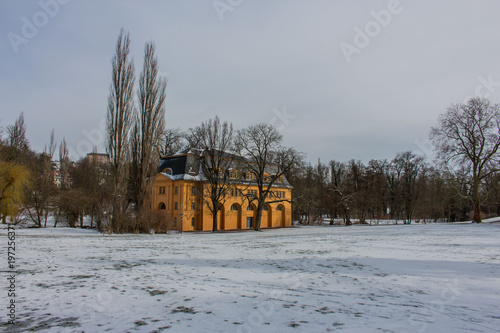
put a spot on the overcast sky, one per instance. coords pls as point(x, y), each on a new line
point(340, 79)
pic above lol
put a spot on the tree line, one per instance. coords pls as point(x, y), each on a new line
point(463, 183)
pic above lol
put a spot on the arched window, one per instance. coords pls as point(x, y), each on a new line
point(249, 207)
point(234, 207)
point(279, 208)
point(162, 206)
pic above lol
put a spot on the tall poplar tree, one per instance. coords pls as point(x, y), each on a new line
point(119, 122)
point(149, 127)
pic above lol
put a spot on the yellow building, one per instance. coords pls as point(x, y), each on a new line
point(178, 196)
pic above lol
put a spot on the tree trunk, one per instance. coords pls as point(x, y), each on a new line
point(258, 217)
point(476, 200)
point(477, 213)
point(214, 218)
point(347, 218)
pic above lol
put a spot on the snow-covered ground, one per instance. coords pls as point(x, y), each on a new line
point(406, 278)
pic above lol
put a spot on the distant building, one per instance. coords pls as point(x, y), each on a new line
point(98, 158)
point(179, 187)
point(57, 176)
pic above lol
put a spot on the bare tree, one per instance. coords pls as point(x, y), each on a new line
point(267, 160)
point(42, 191)
point(64, 164)
point(17, 134)
point(90, 177)
point(119, 122)
point(342, 193)
point(39, 196)
point(410, 166)
point(173, 141)
point(149, 126)
point(467, 138)
point(51, 148)
point(377, 189)
point(320, 180)
point(306, 203)
point(16, 147)
point(214, 140)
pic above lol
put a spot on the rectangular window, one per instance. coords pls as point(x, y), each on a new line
point(175, 221)
point(176, 190)
point(176, 206)
point(192, 190)
point(192, 221)
point(192, 205)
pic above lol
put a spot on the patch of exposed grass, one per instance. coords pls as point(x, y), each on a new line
point(184, 309)
point(157, 292)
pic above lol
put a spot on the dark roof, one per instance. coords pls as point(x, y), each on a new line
point(185, 164)
point(179, 165)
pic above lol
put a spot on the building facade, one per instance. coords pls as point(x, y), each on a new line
point(98, 158)
point(179, 187)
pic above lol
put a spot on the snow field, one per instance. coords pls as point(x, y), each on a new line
point(406, 278)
